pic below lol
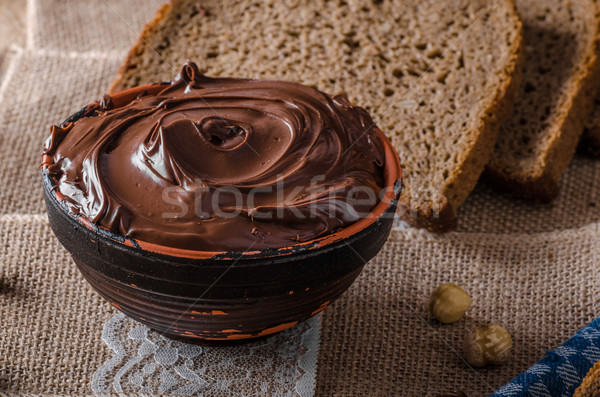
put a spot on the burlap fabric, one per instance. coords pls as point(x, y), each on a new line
point(531, 268)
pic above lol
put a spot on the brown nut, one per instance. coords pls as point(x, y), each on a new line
point(487, 345)
point(448, 303)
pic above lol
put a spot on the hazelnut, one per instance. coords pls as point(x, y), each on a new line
point(487, 345)
point(448, 303)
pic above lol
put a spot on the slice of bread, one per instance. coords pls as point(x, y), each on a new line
point(555, 99)
point(437, 76)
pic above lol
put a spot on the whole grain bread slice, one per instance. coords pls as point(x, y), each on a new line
point(555, 99)
point(438, 76)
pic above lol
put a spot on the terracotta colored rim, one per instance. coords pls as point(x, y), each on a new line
point(393, 186)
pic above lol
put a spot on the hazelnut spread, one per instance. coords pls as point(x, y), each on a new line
point(219, 164)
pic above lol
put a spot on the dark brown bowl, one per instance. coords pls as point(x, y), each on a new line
point(221, 296)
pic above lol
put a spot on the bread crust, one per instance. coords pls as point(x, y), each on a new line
point(435, 220)
point(541, 189)
point(543, 186)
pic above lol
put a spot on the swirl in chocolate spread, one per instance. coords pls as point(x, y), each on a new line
point(219, 164)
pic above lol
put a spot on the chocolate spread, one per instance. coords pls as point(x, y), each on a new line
point(219, 164)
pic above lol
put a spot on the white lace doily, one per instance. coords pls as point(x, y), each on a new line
point(143, 361)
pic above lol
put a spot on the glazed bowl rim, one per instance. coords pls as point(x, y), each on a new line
point(393, 186)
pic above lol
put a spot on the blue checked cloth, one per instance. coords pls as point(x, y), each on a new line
point(561, 371)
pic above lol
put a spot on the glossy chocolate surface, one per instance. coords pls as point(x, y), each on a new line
point(222, 297)
point(220, 164)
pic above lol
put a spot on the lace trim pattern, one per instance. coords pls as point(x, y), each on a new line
point(144, 361)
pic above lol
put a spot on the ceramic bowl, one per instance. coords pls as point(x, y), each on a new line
point(221, 297)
